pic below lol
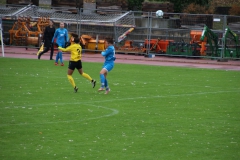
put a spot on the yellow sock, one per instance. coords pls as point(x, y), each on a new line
point(85, 75)
point(71, 80)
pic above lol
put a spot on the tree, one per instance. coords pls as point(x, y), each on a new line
point(179, 5)
point(135, 4)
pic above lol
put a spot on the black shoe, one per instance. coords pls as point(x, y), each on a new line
point(93, 83)
point(51, 59)
point(75, 89)
point(39, 56)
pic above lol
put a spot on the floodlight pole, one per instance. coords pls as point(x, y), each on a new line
point(222, 59)
point(1, 37)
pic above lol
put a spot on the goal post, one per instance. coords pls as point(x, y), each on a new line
point(1, 37)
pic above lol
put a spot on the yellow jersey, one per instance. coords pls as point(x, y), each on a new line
point(76, 51)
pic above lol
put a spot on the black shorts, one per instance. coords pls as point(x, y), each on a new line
point(72, 65)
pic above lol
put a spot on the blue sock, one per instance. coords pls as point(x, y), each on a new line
point(106, 84)
point(57, 57)
point(60, 56)
point(102, 78)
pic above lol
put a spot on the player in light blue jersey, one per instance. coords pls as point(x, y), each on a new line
point(61, 34)
point(108, 65)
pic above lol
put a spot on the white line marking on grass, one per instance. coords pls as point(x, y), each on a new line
point(123, 99)
point(200, 86)
point(114, 112)
point(167, 96)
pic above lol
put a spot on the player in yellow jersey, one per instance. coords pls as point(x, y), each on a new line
point(75, 61)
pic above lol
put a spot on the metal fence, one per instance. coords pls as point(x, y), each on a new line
point(174, 34)
point(187, 35)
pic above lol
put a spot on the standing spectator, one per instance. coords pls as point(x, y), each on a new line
point(108, 65)
point(61, 34)
point(47, 38)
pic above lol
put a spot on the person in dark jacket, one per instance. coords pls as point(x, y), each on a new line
point(47, 38)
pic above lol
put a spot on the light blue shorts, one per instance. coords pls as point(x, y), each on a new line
point(108, 66)
point(61, 45)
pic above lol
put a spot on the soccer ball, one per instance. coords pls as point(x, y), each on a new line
point(159, 13)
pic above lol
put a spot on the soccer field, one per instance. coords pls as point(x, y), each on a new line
point(151, 113)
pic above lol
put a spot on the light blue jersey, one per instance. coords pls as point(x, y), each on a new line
point(62, 36)
point(108, 65)
point(109, 55)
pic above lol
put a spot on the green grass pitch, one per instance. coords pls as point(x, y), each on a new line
point(151, 113)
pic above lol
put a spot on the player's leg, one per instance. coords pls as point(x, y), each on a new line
point(57, 56)
point(60, 54)
point(85, 75)
point(103, 76)
point(46, 48)
point(93, 82)
point(103, 72)
point(69, 76)
point(56, 60)
point(44, 51)
point(61, 58)
point(106, 84)
point(52, 50)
